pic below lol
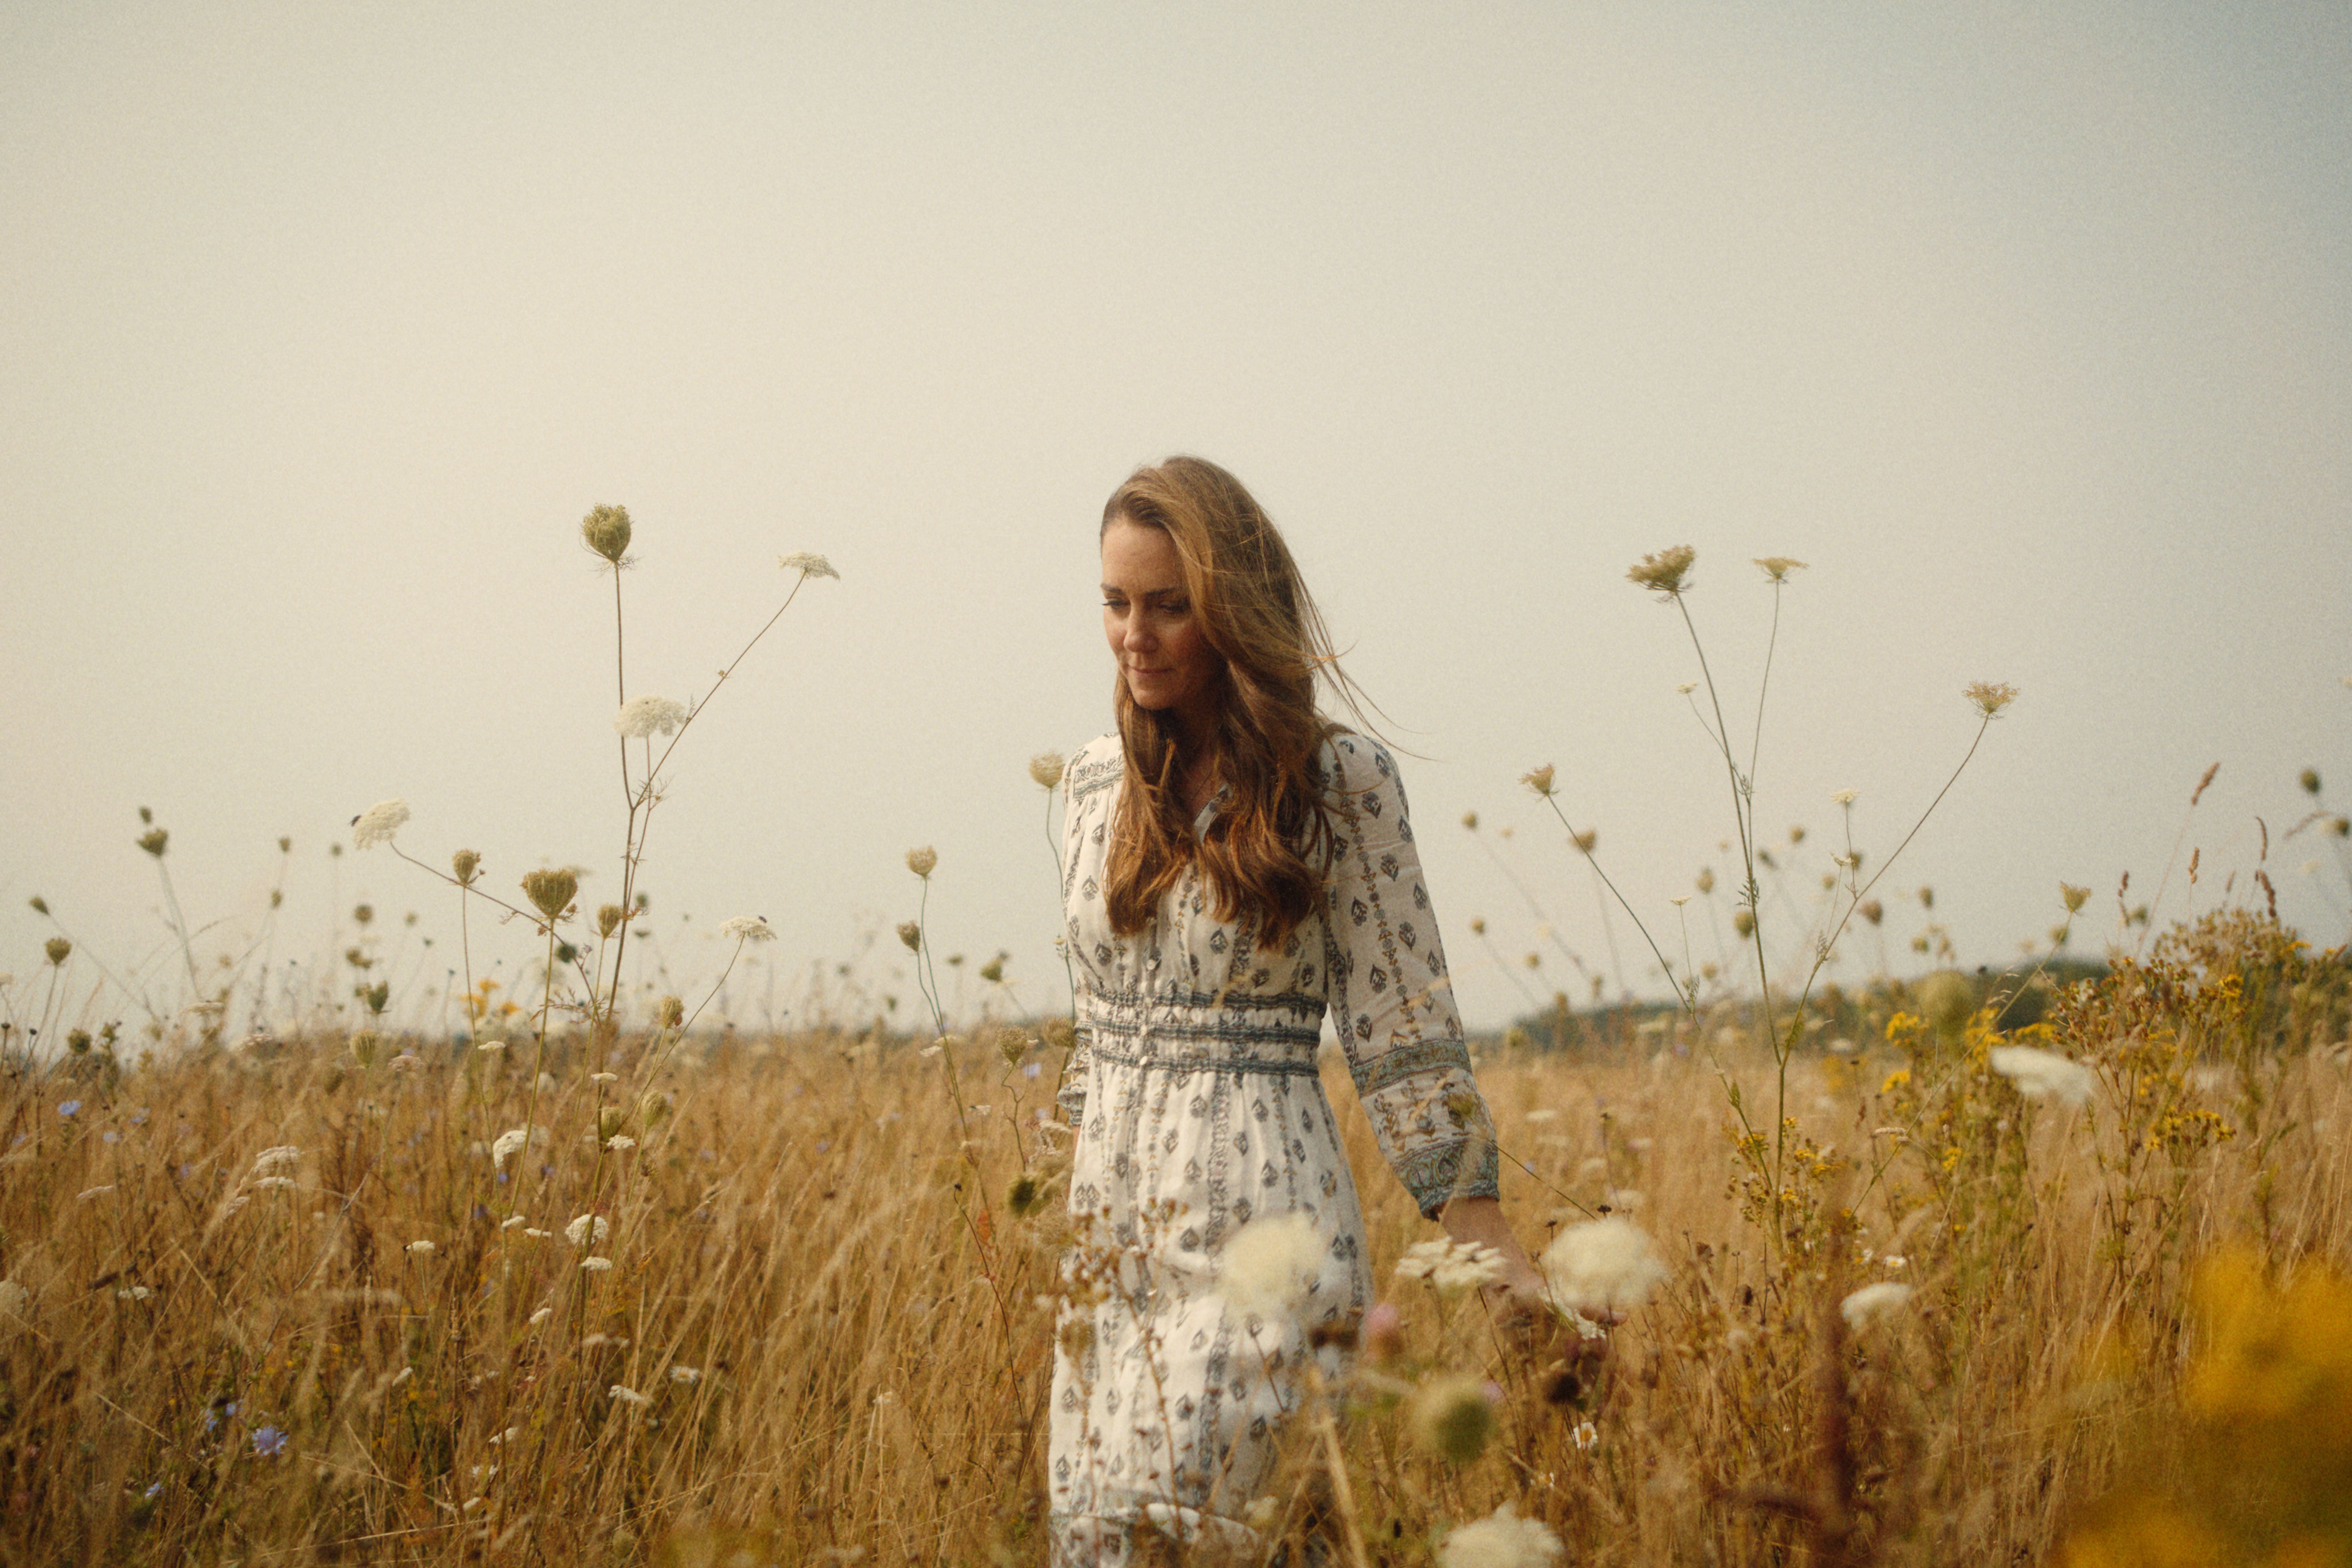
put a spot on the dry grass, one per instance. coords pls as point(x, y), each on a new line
point(841, 1333)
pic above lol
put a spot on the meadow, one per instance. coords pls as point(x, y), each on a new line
point(1934, 1269)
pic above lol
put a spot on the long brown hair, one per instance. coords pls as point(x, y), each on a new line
point(1266, 853)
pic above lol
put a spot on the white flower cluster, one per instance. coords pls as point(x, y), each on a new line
point(1603, 1266)
point(748, 928)
point(378, 823)
point(1272, 1265)
point(1873, 1302)
point(642, 717)
point(808, 563)
point(1501, 1540)
point(577, 1232)
point(269, 1160)
point(1452, 1265)
point(2043, 1074)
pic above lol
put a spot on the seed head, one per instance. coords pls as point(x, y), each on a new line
point(669, 1012)
point(609, 1122)
point(1778, 567)
point(1539, 780)
point(364, 1043)
point(2043, 1074)
point(1845, 797)
point(1686, 688)
point(641, 718)
point(377, 824)
point(1272, 1265)
point(377, 996)
point(1046, 768)
point(551, 891)
point(78, 1041)
point(1586, 840)
point(2074, 896)
point(748, 928)
point(153, 841)
point(1743, 920)
point(465, 864)
point(1470, 820)
point(652, 1108)
point(59, 949)
point(605, 531)
point(1707, 880)
point(2310, 781)
point(808, 564)
point(41, 905)
point(1477, 925)
point(1025, 1197)
point(1873, 1302)
point(1947, 999)
point(1926, 897)
point(419, 1249)
point(1663, 573)
point(1503, 1540)
point(1603, 1266)
point(1453, 1417)
point(1873, 910)
point(911, 934)
point(1989, 697)
point(577, 1232)
point(921, 860)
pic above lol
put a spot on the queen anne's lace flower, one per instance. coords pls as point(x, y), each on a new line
point(577, 1232)
point(808, 563)
point(378, 823)
point(509, 1144)
point(748, 928)
point(2043, 1074)
point(642, 717)
point(621, 1395)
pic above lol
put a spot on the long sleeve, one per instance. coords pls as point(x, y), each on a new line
point(1392, 1000)
point(1090, 781)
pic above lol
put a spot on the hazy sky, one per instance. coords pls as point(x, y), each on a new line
point(2029, 327)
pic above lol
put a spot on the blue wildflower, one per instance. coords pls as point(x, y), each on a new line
point(68, 1108)
point(269, 1442)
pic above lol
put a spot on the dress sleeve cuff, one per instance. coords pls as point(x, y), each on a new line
point(1437, 1175)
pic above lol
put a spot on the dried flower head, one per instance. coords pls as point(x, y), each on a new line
point(1873, 1302)
point(748, 928)
point(551, 891)
point(1743, 920)
point(377, 824)
point(1706, 882)
point(621, 1395)
point(605, 531)
point(1603, 1266)
point(596, 1265)
point(155, 839)
point(464, 865)
point(1586, 841)
point(269, 1160)
point(1503, 1539)
point(2073, 897)
point(1453, 1417)
point(419, 1249)
point(911, 934)
point(921, 860)
point(59, 949)
point(1989, 697)
point(1539, 780)
point(642, 718)
point(1663, 573)
point(1778, 567)
point(1272, 1265)
point(808, 564)
point(669, 1012)
point(1046, 768)
point(2043, 1074)
point(1845, 797)
point(608, 918)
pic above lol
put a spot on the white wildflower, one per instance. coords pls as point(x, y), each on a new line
point(577, 1232)
point(603, 1078)
point(269, 1160)
point(641, 718)
point(1271, 1265)
point(535, 1234)
point(748, 928)
point(136, 1293)
point(2043, 1074)
point(1894, 1261)
point(1686, 688)
point(620, 1142)
point(1603, 1266)
point(1846, 796)
point(621, 1395)
point(808, 564)
point(541, 1316)
point(514, 1222)
point(419, 1249)
point(1873, 1302)
point(1587, 1436)
point(1452, 1265)
point(596, 1265)
point(378, 823)
point(510, 1143)
point(1501, 1540)
point(686, 1374)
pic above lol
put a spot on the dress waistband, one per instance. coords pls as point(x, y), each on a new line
point(1277, 1067)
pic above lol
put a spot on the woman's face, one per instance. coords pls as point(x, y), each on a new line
point(1154, 634)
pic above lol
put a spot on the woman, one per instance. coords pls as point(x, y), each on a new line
point(1236, 864)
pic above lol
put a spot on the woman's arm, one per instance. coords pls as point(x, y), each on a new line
point(1480, 1220)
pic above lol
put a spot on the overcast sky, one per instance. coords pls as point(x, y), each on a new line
point(2029, 327)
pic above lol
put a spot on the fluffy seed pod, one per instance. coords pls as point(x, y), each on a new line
point(1453, 1417)
point(606, 531)
point(669, 1012)
point(551, 891)
point(608, 918)
point(78, 1041)
point(652, 1108)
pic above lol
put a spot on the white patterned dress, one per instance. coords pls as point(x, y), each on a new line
point(1198, 1107)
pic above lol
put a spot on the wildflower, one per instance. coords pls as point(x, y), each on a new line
point(603, 1078)
point(620, 1395)
point(464, 864)
point(419, 1249)
point(135, 1293)
point(1539, 780)
point(1706, 879)
point(378, 823)
point(509, 1144)
point(1778, 567)
point(2309, 780)
point(1587, 1436)
point(911, 934)
point(2043, 1074)
point(605, 531)
point(620, 1144)
point(1453, 1417)
point(1845, 797)
point(1686, 688)
point(154, 840)
point(1501, 1540)
point(641, 718)
point(596, 1265)
point(808, 564)
point(1452, 1265)
point(269, 1160)
point(551, 891)
point(541, 1316)
point(1873, 1302)
point(68, 1108)
point(1989, 697)
point(1046, 768)
point(2074, 896)
point(748, 928)
point(512, 1222)
point(1272, 1265)
point(1383, 1332)
point(578, 1232)
point(921, 860)
point(1894, 1261)
point(1663, 571)
point(269, 1442)
point(59, 949)
point(1603, 1266)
